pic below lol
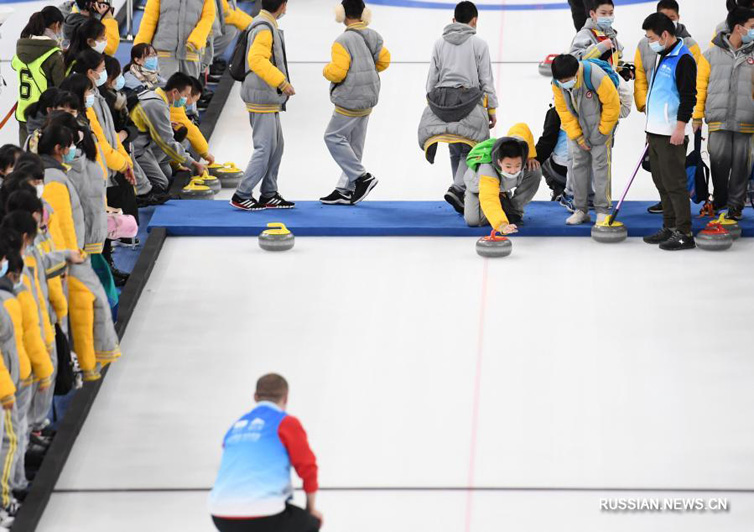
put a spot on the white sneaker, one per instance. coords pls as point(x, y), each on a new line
point(578, 218)
point(6, 519)
point(601, 217)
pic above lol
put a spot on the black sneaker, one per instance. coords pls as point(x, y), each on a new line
point(655, 209)
point(150, 199)
point(659, 237)
point(241, 204)
point(364, 186)
point(678, 242)
point(734, 214)
point(337, 197)
point(455, 196)
point(275, 202)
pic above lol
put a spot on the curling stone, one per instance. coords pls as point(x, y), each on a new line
point(545, 67)
point(605, 233)
point(276, 238)
point(729, 225)
point(714, 237)
point(229, 174)
point(196, 190)
point(494, 246)
point(210, 181)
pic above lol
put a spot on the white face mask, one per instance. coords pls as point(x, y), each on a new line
point(99, 46)
point(507, 175)
point(40, 190)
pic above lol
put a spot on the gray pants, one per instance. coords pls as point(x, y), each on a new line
point(41, 401)
point(153, 163)
point(8, 453)
point(143, 185)
point(21, 428)
point(458, 153)
point(345, 137)
point(599, 161)
point(730, 161)
point(520, 197)
point(225, 39)
point(170, 65)
point(264, 165)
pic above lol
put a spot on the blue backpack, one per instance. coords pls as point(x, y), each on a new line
point(605, 66)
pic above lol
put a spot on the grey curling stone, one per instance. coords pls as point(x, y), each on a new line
point(545, 69)
point(272, 242)
point(231, 181)
point(486, 247)
point(213, 184)
point(204, 193)
point(714, 241)
point(609, 234)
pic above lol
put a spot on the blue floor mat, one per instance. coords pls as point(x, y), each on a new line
point(387, 218)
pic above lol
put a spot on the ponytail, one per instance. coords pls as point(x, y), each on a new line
point(35, 26)
point(54, 135)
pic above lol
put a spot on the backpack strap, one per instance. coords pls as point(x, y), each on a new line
point(588, 75)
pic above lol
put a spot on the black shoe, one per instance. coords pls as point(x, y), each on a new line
point(21, 495)
point(655, 209)
point(275, 202)
point(734, 214)
point(214, 78)
point(151, 199)
point(132, 243)
point(337, 198)
point(659, 237)
point(678, 242)
point(37, 439)
point(455, 196)
point(241, 204)
point(364, 186)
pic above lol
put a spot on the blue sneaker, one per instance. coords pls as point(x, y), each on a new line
point(566, 200)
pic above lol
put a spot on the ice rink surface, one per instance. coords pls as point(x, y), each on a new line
point(545, 381)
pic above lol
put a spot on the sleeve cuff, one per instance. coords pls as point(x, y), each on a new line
point(8, 400)
point(284, 85)
point(492, 111)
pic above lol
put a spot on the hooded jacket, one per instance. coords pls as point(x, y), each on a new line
point(461, 59)
point(90, 183)
point(358, 56)
point(646, 59)
point(152, 117)
point(488, 180)
point(724, 87)
point(112, 31)
point(60, 193)
point(178, 29)
point(19, 367)
point(591, 43)
point(9, 315)
point(39, 65)
point(40, 364)
point(586, 116)
point(30, 49)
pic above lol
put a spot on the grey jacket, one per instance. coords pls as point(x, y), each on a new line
point(176, 22)
point(360, 90)
point(152, 118)
point(461, 59)
point(105, 118)
point(729, 104)
point(73, 21)
point(586, 105)
point(471, 130)
point(55, 173)
point(258, 95)
point(7, 332)
point(91, 186)
point(586, 44)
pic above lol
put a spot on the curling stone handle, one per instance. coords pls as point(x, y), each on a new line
point(277, 228)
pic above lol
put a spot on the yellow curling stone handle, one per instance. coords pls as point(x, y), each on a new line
point(276, 228)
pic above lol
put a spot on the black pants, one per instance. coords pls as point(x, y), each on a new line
point(123, 196)
point(580, 12)
point(293, 519)
point(668, 164)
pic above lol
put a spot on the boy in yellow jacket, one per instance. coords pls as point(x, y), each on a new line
point(178, 29)
point(358, 56)
point(194, 136)
point(588, 104)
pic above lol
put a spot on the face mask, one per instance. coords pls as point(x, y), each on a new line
point(120, 82)
point(99, 46)
point(89, 101)
point(17, 286)
point(568, 85)
point(180, 102)
point(71, 155)
point(748, 36)
point(506, 175)
point(4, 268)
point(675, 23)
point(102, 79)
point(605, 23)
point(657, 47)
point(281, 16)
point(40, 190)
point(151, 63)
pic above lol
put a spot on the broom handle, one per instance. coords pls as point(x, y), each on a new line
point(614, 215)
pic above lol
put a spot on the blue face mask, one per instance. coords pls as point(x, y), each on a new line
point(4, 268)
point(102, 79)
point(605, 23)
point(748, 37)
point(70, 156)
point(656, 47)
point(568, 85)
point(120, 82)
point(89, 101)
point(180, 102)
point(151, 63)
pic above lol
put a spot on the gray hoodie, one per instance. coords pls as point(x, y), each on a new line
point(461, 59)
point(587, 43)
